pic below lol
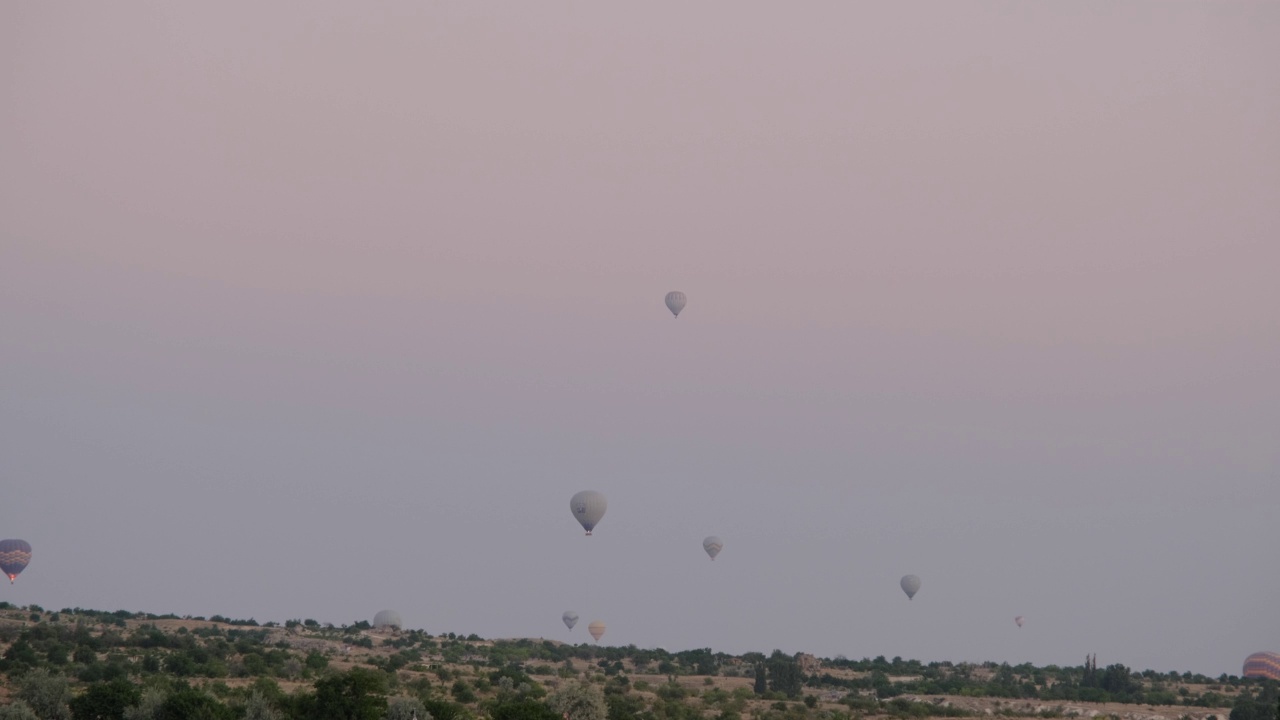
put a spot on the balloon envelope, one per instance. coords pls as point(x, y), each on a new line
point(1262, 665)
point(713, 546)
point(588, 507)
point(14, 556)
point(387, 619)
point(910, 585)
point(596, 628)
point(570, 619)
point(675, 302)
point(1018, 620)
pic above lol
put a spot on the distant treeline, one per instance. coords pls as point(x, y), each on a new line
point(78, 664)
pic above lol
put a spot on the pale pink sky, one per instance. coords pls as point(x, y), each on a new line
point(336, 300)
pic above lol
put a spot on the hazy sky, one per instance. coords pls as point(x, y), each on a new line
point(310, 309)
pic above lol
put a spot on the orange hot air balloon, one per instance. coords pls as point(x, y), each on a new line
point(596, 628)
point(14, 556)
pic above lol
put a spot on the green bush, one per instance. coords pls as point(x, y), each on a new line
point(462, 692)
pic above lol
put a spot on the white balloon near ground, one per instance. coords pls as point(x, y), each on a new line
point(588, 508)
point(596, 628)
point(387, 619)
point(570, 619)
point(675, 302)
point(910, 585)
point(713, 545)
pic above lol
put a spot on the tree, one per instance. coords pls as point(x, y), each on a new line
point(444, 709)
point(579, 702)
point(17, 710)
point(406, 708)
point(1249, 707)
point(105, 700)
point(761, 686)
point(883, 686)
point(462, 692)
point(188, 703)
point(254, 664)
point(316, 661)
point(1118, 680)
point(20, 653)
point(46, 694)
point(1245, 707)
point(358, 694)
point(258, 707)
point(784, 674)
point(623, 707)
point(148, 705)
point(522, 710)
point(269, 689)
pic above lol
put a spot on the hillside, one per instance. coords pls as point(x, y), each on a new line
point(146, 667)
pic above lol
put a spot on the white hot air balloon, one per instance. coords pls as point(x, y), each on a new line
point(713, 546)
point(1018, 620)
point(675, 302)
point(570, 619)
point(387, 619)
point(596, 628)
point(588, 507)
point(910, 585)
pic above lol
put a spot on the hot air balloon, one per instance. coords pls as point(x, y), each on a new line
point(570, 619)
point(596, 628)
point(713, 546)
point(675, 302)
point(14, 556)
point(387, 619)
point(1018, 620)
point(910, 585)
point(1262, 665)
point(588, 507)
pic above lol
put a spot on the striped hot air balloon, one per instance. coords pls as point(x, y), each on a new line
point(14, 556)
point(675, 302)
point(1262, 665)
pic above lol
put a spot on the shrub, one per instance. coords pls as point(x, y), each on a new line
point(579, 701)
point(46, 694)
point(405, 708)
point(105, 701)
point(18, 711)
